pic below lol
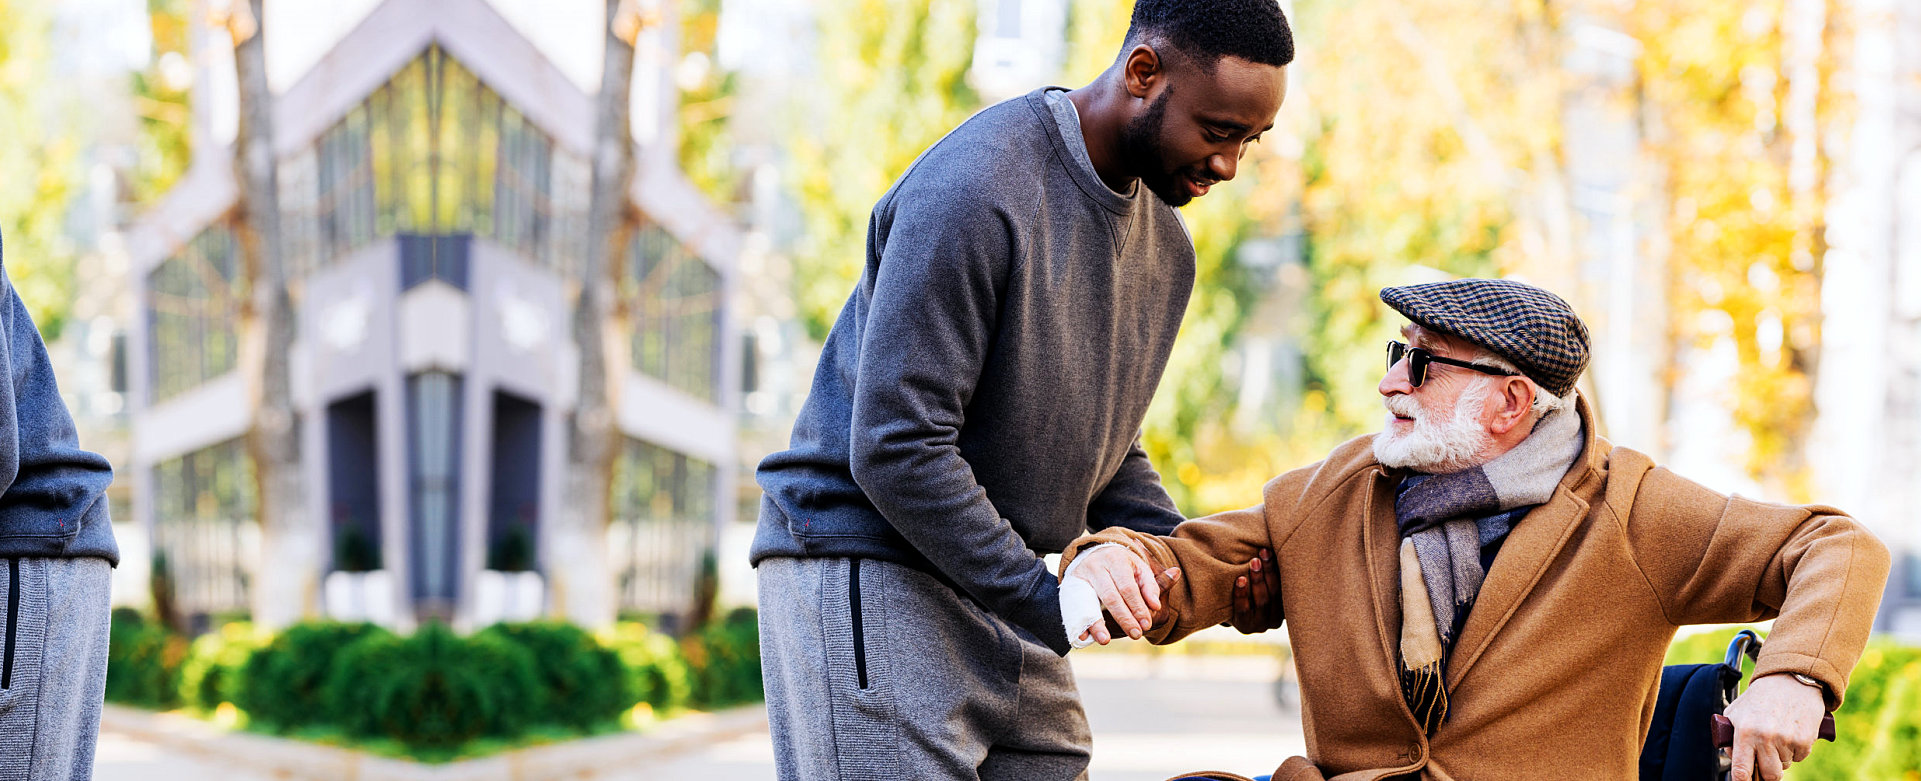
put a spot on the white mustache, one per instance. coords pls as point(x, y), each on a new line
point(1404, 406)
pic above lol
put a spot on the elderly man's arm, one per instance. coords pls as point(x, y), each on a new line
point(1716, 559)
point(1210, 553)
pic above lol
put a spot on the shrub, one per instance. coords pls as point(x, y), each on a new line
point(212, 670)
point(724, 658)
point(143, 661)
point(433, 690)
point(657, 675)
point(281, 684)
point(1877, 729)
point(581, 683)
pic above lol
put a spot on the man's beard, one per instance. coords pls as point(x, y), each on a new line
point(1140, 148)
point(1437, 444)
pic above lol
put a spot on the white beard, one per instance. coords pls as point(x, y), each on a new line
point(1437, 444)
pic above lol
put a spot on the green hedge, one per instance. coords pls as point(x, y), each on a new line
point(1877, 729)
point(656, 672)
point(281, 685)
point(433, 692)
point(143, 661)
point(581, 682)
point(211, 672)
point(724, 658)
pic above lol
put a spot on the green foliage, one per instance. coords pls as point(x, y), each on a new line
point(892, 80)
point(1877, 729)
point(580, 682)
point(433, 690)
point(143, 661)
point(211, 673)
point(706, 104)
point(724, 658)
point(657, 674)
point(281, 686)
point(40, 169)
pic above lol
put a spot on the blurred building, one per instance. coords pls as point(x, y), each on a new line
point(434, 178)
point(1867, 442)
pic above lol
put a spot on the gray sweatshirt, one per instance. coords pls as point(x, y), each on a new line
point(979, 401)
point(53, 499)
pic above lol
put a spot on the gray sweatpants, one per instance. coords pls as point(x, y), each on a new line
point(877, 672)
point(53, 665)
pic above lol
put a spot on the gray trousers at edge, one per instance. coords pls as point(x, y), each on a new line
point(877, 672)
point(53, 622)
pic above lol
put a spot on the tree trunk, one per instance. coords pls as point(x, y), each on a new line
point(583, 589)
point(286, 586)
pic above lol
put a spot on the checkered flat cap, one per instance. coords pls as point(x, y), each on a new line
point(1530, 327)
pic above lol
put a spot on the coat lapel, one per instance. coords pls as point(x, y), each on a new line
point(1524, 558)
point(1382, 540)
point(1529, 549)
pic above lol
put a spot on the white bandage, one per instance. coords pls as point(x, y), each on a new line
point(1080, 607)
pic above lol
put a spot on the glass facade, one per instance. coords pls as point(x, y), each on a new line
point(676, 302)
point(206, 526)
point(663, 525)
point(193, 313)
point(434, 152)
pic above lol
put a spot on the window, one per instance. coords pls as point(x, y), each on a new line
point(205, 527)
point(433, 152)
point(193, 314)
point(664, 524)
point(676, 305)
point(434, 446)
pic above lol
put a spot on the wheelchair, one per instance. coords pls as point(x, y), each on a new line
point(1688, 739)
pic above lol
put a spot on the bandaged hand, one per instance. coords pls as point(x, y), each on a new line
point(1123, 583)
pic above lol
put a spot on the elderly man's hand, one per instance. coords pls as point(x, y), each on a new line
point(1775, 722)
point(1128, 587)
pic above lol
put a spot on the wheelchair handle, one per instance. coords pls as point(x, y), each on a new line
point(1724, 730)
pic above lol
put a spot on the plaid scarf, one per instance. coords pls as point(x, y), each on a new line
point(1445, 520)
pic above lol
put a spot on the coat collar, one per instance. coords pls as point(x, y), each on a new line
point(1524, 557)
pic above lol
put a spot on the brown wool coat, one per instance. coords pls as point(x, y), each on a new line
point(1556, 671)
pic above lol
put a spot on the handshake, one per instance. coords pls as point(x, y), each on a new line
point(1133, 594)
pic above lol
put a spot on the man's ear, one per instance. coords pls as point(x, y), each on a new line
point(1142, 70)
point(1516, 401)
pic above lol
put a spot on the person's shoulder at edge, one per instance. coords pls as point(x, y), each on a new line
point(993, 153)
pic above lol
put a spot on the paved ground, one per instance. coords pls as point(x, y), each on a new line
point(1151, 718)
point(126, 758)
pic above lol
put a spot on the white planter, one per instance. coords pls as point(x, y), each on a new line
point(360, 596)
point(508, 596)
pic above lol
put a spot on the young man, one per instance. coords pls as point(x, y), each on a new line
point(56, 558)
point(978, 404)
point(1486, 588)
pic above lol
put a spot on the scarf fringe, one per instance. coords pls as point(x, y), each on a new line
point(1426, 695)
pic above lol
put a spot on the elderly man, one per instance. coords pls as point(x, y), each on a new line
point(1485, 589)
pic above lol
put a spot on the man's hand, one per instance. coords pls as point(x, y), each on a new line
point(1775, 722)
point(1257, 596)
point(1127, 586)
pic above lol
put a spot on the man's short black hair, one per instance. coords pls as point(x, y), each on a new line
point(1207, 30)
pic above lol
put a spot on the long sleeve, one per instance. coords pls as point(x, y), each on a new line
point(1211, 552)
point(927, 334)
point(50, 489)
point(1711, 558)
point(1134, 498)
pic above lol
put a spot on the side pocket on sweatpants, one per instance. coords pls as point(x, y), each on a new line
point(860, 633)
point(13, 623)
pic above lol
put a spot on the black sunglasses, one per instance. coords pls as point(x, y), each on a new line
point(1418, 359)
